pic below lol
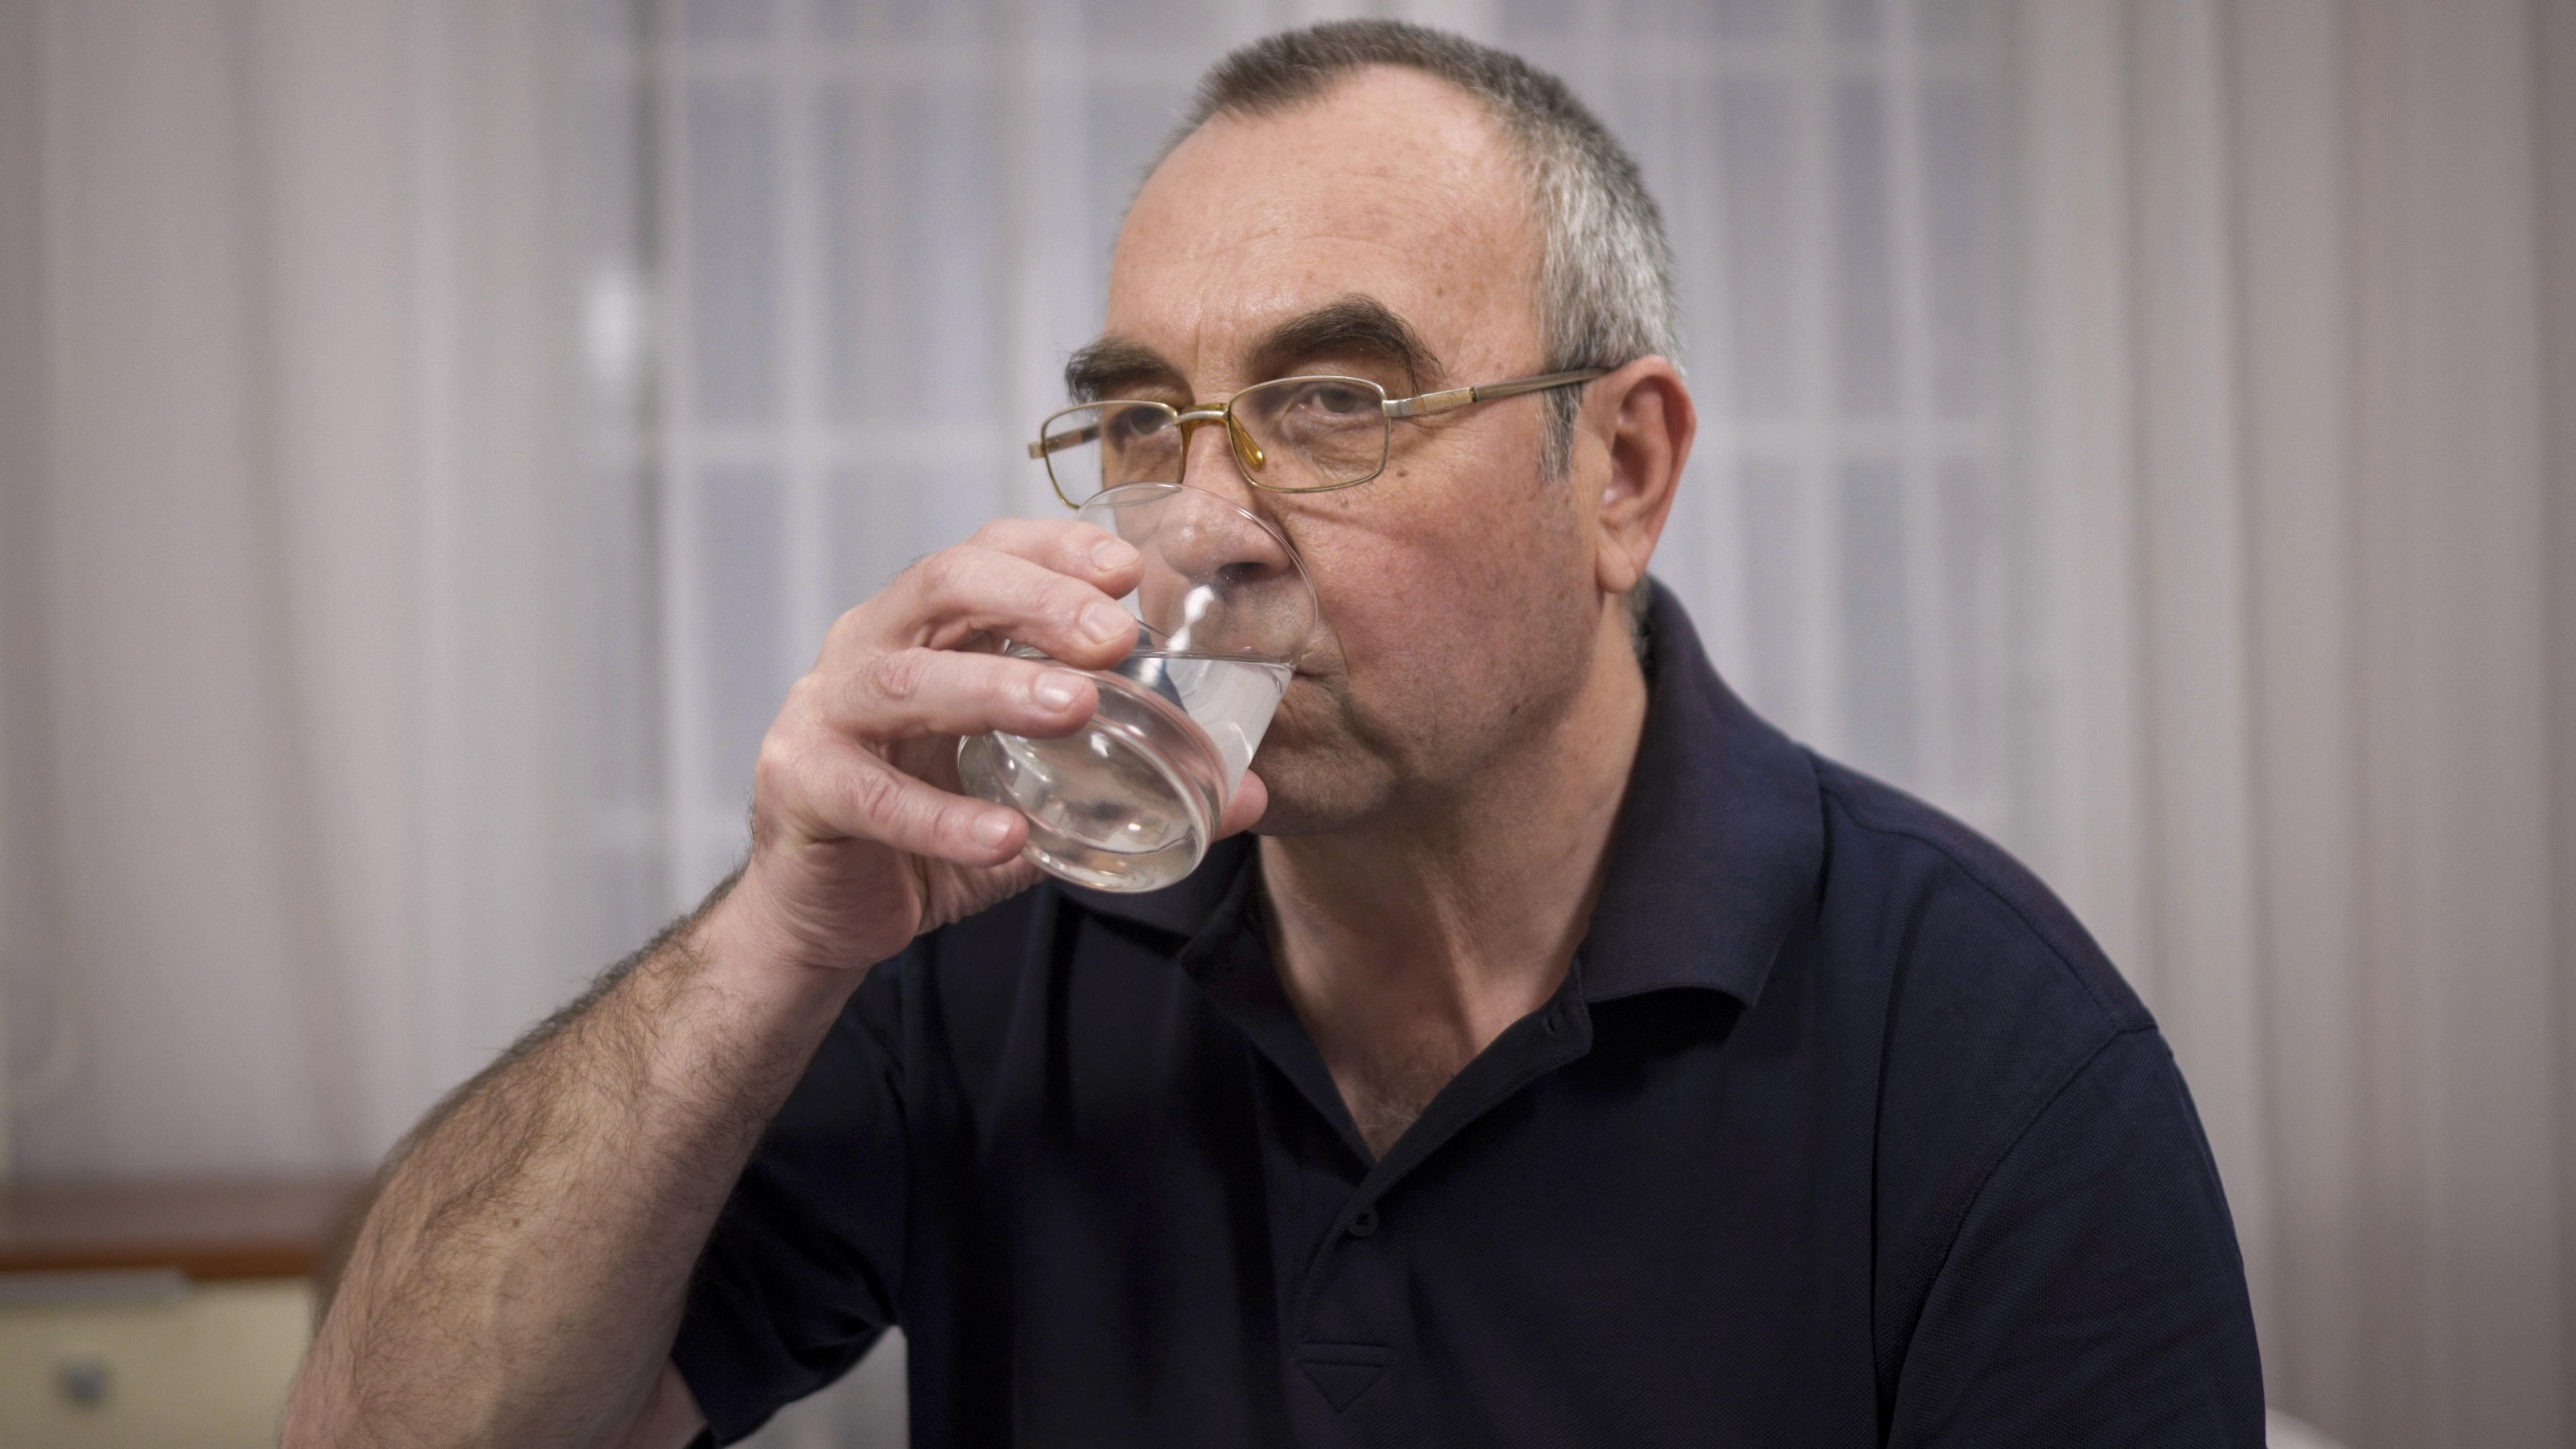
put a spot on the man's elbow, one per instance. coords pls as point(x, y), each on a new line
point(325, 1409)
point(670, 1420)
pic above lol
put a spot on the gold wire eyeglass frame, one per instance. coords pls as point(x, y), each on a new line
point(1246, 452)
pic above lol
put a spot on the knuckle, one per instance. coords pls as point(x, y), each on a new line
point(899, 677)
point(851, 625)
point(774, 773)
point(1034, 590)
point(947, 572)
point(1068, 599)
point(1005, 683)
point(1085, 552)
point(810, 709)
point(876, 796)
point(997, 532)
point(958, 826)
point(803, 699)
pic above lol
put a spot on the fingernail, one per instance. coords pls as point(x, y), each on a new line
point(1106, 622)
point(1057, 691)
point(992, 830)
point(1113, 553)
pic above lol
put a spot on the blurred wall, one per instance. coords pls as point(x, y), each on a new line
point(2556, 57)
point(21, 448)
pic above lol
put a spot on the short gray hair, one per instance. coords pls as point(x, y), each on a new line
point(1605, 287)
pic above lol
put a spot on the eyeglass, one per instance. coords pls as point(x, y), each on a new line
point(1288, 435)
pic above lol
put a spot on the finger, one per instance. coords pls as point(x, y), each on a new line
point(1251, 801)
point(909, 693)
point(842, 790)
point(1076, 549)
point(957, 593)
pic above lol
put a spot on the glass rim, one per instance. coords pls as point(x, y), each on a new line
point(1163, 491)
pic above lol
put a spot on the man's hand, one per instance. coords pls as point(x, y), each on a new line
point(521, 1277)
point(859, 841)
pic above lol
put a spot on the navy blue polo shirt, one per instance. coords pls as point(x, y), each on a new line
point(1839, 1132)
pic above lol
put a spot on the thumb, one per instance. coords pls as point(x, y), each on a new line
point(1251, 799)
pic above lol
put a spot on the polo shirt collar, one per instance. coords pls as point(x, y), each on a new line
point(1713, 860)
point(1720, 841)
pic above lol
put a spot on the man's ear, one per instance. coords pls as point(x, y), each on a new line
point(1644, 411)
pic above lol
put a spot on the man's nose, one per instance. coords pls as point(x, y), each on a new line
point(1208, 462)
point(1209, 465)
point(1196, 544)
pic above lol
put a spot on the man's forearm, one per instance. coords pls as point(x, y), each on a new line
point(522, 1273)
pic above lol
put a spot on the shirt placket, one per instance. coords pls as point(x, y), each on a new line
point(1338, 1214)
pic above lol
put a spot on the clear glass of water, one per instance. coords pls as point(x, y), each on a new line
point(1130, 802)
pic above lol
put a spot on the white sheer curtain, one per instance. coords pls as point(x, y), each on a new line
point(877, 233)
point(203, 799)
point(2340, 484)
point(447, 427)
point(2291, 629)
point(317, 773)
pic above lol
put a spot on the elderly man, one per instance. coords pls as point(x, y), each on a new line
point(1570, 1058)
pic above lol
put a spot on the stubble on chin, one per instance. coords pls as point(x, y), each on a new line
point(1321, 774)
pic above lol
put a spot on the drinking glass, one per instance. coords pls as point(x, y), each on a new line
point(1130, 802)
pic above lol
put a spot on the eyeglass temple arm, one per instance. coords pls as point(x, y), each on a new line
point(1064, 440)
point(1459, 397)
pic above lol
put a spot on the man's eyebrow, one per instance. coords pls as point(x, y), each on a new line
point(1115, 365)
point(1356, 325)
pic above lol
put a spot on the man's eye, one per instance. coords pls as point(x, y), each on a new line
point(1335, 400)
point(1130, 425)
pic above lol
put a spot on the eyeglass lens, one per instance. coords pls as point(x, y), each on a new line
point(1297, 433)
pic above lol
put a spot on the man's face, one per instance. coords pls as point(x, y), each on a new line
point(1459, 605)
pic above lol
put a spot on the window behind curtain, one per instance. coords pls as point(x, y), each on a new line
point(855, 242)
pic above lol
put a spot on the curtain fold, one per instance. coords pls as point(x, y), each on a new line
point(538, 599)
point(2555, 54)
point(208, 744)
point(2289, 254)
point(331, 694)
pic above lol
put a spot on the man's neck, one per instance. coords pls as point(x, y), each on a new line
point(1409, 945)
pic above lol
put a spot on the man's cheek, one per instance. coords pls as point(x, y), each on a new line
point(1301, 709)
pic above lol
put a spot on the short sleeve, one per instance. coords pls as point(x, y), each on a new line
point(803, 1272)
point(2093, 1295)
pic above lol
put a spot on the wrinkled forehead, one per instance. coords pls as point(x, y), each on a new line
point(1393, 185)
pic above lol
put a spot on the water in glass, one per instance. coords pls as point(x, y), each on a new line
point(1131, 801)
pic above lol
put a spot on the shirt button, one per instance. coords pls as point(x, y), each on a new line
point(1554, 1020)
point(1364, 1224)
